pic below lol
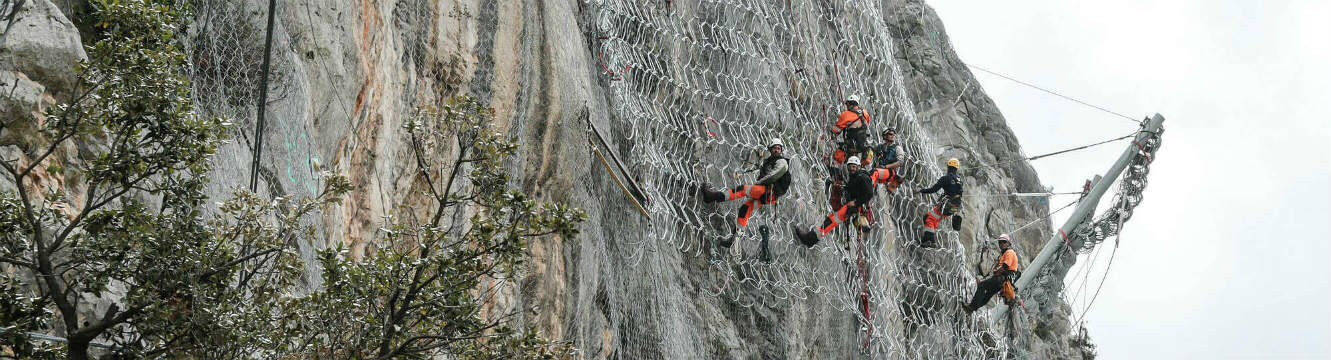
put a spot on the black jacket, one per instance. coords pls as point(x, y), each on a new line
point(950, 183)
point(776, 173)
point(859, 188)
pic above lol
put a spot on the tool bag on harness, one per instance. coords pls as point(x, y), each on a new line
point(1009, 286)
point(950, 206)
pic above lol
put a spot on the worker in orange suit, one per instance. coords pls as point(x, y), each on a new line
point(1000, 277)
point(773, 181)
point(854, 124)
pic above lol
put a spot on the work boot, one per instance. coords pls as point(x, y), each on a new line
point(694, 189)
point(707, 194)
point(956, 222)
point(808, 238)
point(929, 239)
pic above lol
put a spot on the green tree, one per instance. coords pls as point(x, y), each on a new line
point(423, 287)
point(121, 253)
point(127, 229)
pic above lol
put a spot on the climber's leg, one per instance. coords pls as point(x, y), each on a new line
point(746, 211)
point(833, 219)
point(710, 196)
point(985, 291)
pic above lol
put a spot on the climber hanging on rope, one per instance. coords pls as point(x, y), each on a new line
point(947, 205)
point(887, 158)
point(858, 193)
point(1001, 278)
point(854, 123)
point(773, 181)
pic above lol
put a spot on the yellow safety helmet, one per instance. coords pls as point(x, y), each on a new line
point(953, 162)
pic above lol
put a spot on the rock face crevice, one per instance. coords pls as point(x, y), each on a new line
point(683, 90)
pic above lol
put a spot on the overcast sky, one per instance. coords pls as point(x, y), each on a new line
point(1229, 255)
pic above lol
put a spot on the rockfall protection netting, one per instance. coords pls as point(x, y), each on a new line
point(224, 42)
point(697, 87)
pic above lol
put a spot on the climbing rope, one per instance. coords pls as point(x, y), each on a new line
point(1031, 158)
point(1051, 92)
point(1044, 194)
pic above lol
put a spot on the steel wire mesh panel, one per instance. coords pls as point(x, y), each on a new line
point(697, 87)
point(224, 43)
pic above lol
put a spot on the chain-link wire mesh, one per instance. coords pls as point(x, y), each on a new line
point(697, 87)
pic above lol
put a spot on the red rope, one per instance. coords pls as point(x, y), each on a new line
point(710, 132)
point(1065, 240)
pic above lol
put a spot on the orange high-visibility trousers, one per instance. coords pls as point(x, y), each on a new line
point(758, 196)
point(933, 218)
point(836, 217)
point(886, 176)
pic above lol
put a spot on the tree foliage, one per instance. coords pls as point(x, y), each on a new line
point(427, 286)
point(126, 228)
point(126, 250)
point(121, 252)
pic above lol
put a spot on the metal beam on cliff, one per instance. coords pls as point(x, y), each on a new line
point(1084, 209)
point(619, 171)
point(263, 98)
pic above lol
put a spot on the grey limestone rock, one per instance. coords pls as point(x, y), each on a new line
point(351, 73)
point(42, 44)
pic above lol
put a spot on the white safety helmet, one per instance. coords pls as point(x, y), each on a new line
point(1004, 237)
point(853, 160)
point(853, 98)
point(775, 142)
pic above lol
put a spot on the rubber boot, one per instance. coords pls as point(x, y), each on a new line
point(708, 195)
point(928, 239)
point(727, 241)
point(808, 238)
point(956, 222)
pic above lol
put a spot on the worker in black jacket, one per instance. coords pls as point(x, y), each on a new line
point(858, 193)
point(947, 205)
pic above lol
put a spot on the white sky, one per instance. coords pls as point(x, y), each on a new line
point(1229, 254)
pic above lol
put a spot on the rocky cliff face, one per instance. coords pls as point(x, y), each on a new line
point(685, 91)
